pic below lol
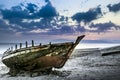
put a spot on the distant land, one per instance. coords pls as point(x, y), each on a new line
point(87, 41)
point(67, 40)
point(100, 41)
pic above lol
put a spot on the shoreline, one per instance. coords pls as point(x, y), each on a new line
point(82, 65)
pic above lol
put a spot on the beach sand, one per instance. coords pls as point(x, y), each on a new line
point(84, 64)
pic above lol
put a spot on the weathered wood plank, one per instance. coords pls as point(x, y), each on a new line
point(110, 50)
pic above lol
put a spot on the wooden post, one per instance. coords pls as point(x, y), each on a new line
point(50, 43)
point(26, 44)
point(20, 45)
point(40, 44)
point(8, 49)
point(32, 43)
point(11, 48)
point(15, 46)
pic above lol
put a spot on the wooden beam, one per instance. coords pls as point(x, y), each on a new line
point(15, 46)
point(26, 43)
point(40, 44)
point(20, 45)
point(32, 43)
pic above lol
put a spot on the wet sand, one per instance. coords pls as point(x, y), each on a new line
point(84, 64)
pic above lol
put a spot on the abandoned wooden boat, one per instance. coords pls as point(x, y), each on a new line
point(110, 50)
point(39, 58)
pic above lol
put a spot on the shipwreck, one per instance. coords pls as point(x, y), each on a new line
point(40, 58)
point(110, 50)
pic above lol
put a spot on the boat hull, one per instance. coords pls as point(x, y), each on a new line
point(39, 58)
point(22, 57)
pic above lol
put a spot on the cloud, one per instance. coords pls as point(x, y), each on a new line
point(114, 8)
point(30, 19)
point(47, 1)
point(88, 16)
point(16, 12)
point(5, 28)
point(103, 27)
point(39, 31)
point(30, 12)
point(47, 11)
point(1, 6)
point(54, 31)
point(31, 7)
point(81, 29)
point(65, 29)
point(24, 12)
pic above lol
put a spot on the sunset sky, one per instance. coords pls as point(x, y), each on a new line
point(49, 20)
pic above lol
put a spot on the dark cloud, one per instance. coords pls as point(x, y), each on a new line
point(21, 19)
point(3, 25)
point(88, 16)
point(1, 6)
point(63, 18)
point(80, 29)
point(31, 7)
point(17, 14)
point(30, 19)
point(47, 11)
point(5, 28)
point(14, 17)
point(47, 1)
point(103, 27)
point(114, 8)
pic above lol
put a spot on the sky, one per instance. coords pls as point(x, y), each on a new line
point(51, 20)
